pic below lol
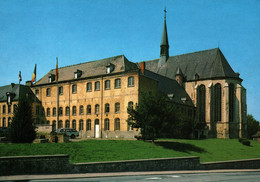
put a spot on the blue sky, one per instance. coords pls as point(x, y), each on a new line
point(37, 31)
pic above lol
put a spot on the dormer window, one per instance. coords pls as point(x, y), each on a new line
point(110, 68)
point(77, 74)
point(51, 78)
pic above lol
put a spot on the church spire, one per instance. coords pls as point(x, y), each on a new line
point(164, 52)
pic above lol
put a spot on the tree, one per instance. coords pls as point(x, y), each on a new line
point(22, 129)
point(158, 117)
point(252, 126)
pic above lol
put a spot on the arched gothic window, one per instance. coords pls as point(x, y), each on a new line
point(231, 101)
point(201, 102)
point(218, 98)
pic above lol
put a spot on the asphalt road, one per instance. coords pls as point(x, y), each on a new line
point(205, 177)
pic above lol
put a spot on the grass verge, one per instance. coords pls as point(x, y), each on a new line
point(113, 150)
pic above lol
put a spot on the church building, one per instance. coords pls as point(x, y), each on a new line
point(93, 97)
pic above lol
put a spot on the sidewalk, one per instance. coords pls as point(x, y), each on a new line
point(92, 175)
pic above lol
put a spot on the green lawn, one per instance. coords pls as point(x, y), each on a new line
point(113, 150)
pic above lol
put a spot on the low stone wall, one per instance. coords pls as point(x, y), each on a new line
point(110, 134)
point(234, 164)
point(59, 164)
point(48, 164)
point(43, 128)
point(164, 164)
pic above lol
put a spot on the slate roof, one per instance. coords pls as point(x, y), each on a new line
point(170, 86)
point(208, 64)
point(21, 91)
point(91, 69)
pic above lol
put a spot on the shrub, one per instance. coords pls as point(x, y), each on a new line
point(244, 141)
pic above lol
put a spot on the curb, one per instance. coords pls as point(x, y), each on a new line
point(94, 175)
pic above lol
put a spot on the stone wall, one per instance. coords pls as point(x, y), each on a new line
point(164, 164)
point(234, 164)
point(44, 128)
point(48, 164)
point(59, 164)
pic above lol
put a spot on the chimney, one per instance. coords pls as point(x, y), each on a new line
point(142, 67)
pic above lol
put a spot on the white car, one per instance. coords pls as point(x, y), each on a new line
point(72, 133)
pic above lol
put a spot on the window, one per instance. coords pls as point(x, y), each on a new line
point(48, 122)
point(60, 111)
point(77, 74)
point(67, 124)
point(97, 85)
point(89, 87)
point(74, 110)
point(117, 107)
point(118, 83)
point(74, 124)
point(81, 110)
point(217, 114)
point(106, 108)
point(131, 81)
point(54, 111)
point(4, 109)
point(129, 126)
point(9, 109)
point(9, 122)
point(81, 124)
point(48, 111)
point(14, 108)
point(89, 109)
point(74, 89)
point(117, 124)
point(60, 125)
point(96, 109)
point(106, 124)
point(53, 125)
point(51, 78)
point(67, 111)
point(107, 84)
point(231, 100)
point(88, 125)
point(4, 122)
point(48, 92)
point(61, 90)
point(130, 105)
point(36, 92)
point(201, 102)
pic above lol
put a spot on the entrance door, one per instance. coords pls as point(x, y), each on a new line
point(96, 128)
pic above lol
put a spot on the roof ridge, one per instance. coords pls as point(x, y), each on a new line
point(89, 62)
point(197, 52)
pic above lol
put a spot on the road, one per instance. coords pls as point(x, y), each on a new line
point(205, 177)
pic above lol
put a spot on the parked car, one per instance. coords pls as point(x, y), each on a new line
point(72, 133)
